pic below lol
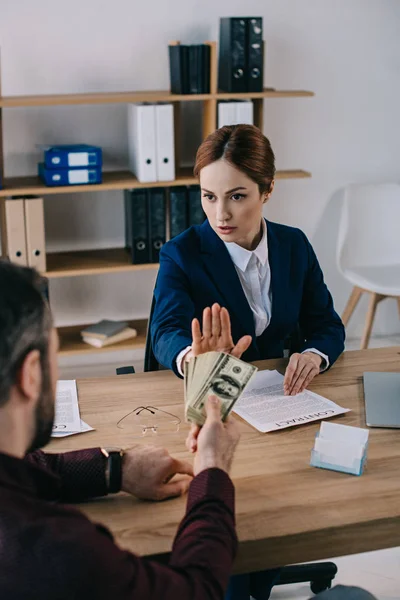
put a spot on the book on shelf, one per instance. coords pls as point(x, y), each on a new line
point(123, 335)
point(104, 329)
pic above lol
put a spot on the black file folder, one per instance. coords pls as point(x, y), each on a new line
point(196, 213)
point(195, 69)
point(137, 226)
point(178, 210)
point(205, 68)
point(157, 211)
point(179, 69)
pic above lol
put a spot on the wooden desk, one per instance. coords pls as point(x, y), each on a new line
point(287, 511)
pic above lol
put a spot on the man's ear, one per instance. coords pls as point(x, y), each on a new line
point(29, 378)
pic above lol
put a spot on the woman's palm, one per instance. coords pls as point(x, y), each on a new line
point(216, 335)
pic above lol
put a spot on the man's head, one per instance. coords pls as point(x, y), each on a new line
point(28, 359)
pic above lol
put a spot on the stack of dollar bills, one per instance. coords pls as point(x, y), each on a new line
point(214, 373)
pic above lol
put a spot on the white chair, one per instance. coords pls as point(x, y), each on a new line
point(368, 251)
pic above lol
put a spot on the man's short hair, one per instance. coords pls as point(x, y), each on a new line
point(25, 321)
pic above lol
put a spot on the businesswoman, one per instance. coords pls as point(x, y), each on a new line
point(241, 284)
point(265, 275)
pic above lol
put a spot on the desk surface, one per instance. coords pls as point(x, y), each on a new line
point(287, 511)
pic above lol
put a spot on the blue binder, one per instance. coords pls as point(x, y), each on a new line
point(72, 156)
point(58, 177)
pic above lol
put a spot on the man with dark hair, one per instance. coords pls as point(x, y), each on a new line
point(50, 551)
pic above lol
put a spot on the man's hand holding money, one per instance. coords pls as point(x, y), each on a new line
point(216, 441)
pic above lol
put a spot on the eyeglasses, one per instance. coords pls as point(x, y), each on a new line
point(149, 419)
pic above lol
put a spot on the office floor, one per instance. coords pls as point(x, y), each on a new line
point(377, 572)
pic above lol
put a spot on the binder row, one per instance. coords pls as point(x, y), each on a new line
point(151, 142)
point(190, 69)
point(233, 113)
point(23, 228)
point(71, 164)
point(241, 54)
point(154, 215)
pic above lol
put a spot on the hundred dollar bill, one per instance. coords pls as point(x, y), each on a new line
point(226, 377)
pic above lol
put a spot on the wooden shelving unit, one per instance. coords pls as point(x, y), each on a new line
point(71, 342)
point(114, 260)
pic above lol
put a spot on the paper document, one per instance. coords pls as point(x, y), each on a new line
point(265, 406)
point(84, 428)
point(67, 419)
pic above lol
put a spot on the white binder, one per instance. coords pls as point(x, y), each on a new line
point(244, 113)
point(35, 234)
point(142, 141)
point(165, 151)
point(226, 113)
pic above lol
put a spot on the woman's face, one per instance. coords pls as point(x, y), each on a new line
point(233, 203)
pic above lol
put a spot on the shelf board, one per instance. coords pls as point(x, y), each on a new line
point(71, 341)
point(91, 262)
point(292, 174)
point(112, 180)
point(98, 98)
point(266, 93)
point(134, 97)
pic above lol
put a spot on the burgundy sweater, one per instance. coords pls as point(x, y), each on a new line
point(51, 551)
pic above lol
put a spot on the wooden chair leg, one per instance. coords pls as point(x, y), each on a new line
point(351, 304)
point(373, 303)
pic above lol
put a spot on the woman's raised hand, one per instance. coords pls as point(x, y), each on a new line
point(215, 335)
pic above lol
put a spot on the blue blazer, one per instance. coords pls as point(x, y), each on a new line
point(196, 271)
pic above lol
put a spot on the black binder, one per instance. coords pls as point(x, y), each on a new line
point(178, 210)
point(157, 231)
point(241, 54)
point(232, 68)
point(137, 226)
point(195, 71)
point(255, 56)
point(205, 68)
point(179, 69)
point(175, 69)
point(196, 212)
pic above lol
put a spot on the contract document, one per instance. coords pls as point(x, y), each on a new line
point(265, 406)
point(67, 420)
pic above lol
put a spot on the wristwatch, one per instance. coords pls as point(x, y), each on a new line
point(113, 469)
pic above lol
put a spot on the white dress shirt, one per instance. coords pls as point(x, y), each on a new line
point(254, 273)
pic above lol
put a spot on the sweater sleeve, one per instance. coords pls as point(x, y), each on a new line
point(81, 473)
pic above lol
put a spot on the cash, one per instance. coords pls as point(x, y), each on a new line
point(214, 373)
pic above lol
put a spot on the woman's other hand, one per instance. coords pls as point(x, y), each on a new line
point(301, 370)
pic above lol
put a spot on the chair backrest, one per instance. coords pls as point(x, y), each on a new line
point(369, 232)
point(150, 361)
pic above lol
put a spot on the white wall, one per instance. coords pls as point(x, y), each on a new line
point(347, 52)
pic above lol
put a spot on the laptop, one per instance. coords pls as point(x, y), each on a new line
point(382, 399)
